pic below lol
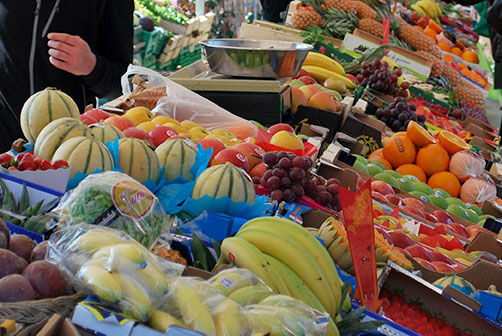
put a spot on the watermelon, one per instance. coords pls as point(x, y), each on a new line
point(177, 157)
point(138, 160)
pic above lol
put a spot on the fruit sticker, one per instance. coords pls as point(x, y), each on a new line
point(241, 157)
point(132, 199)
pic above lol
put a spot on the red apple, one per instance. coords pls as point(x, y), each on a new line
point(258, 170)
point(376, 195)
point(401, 239)
point(438, 256)
point(231, 155)
point(161, 133)
point(87, 119)
point(382, 187)
point(442, 267)
point(425, 264)
point(431, 218)
point(460, 229)
point(442, 216)
point(414, 211)
point(280, 127)
point(301, 74)
point(308, 80)
point(215, 144)
point(394, 199)
point(98, 114)
point(385, 235)
point(138, 133)
point(414, 202)
point(252, 152)
point(418, 251)
point(120, 122)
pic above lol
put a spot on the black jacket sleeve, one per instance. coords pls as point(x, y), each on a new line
point(465, 2)
point(115, 49)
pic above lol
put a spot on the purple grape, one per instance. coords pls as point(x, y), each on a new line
point(281, 155)
point(375, 63)
point(270, 158)
point(289, 196)
point(256, 180)
point(280, 173)
point(273, 183)
point(324, 198)
point(396, 125)
point(297, 174)
point(321, 188)
point(309, 163)
point(284, 163)
point(365, 65)
point(291, 156)
point(333, 189)
point(298, 162)
point(276, 195)
point(298, 190)
point(285, 182)
point(422, 118)
point(268, 174)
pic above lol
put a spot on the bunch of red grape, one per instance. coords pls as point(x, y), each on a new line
point(399, 114)
point(469, 110)
point(378, 77)
point(288, 178)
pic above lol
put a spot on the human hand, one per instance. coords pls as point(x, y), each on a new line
point(71, 53)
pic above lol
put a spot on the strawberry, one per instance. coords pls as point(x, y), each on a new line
point(60, 164)
point(45, 165)
point(20, 156)
point(25, 164)
point(12, 168)
point(5, 159)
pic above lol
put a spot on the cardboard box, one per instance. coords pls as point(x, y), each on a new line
point(481, 124)
point(486, 242)
point(479, 131)
point(55, 179)
point(315, 116)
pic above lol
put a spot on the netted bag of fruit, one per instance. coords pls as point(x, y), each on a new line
point(115, 200)
point(110, 265)
point(284, 315)
point(467, 164)
point(478, 190)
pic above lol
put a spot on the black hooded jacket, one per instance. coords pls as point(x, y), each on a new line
point(106, 25)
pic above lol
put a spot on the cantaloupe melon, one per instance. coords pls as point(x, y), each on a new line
point(138, 160)
point(84, 155)
point(225, 180)
point(177, 157)
point(104, 132)
point(42, 108)
point(56, 133)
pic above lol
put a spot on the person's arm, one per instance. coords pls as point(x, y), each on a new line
point(465, 2)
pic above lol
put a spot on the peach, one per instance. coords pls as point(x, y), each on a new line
point(258, 170)
point(213, 143)
point(310, 90)
point(252, 152)
point(323, 101)
point(418, 251)
point(442, 267)
point(97, 114)
point(120, 122)
point(233, 156)
point(307, 79)
point(161, 133)
point(382, 187)
point(425, 264)
point(287, 140)
point(401, 239)
point(297, 98)
point(280, 127)
point(442, 216)
point(414, 202)
point(394, 199)
point(138, 133)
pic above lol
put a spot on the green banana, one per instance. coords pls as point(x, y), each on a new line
point(250, 294)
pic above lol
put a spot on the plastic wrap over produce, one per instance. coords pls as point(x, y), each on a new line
point(115, 200)
point(110, 265)
point(183, 104)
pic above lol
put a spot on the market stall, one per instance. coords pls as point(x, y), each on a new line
point(336, 174)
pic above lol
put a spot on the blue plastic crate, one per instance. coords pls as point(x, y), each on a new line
point(14, 229)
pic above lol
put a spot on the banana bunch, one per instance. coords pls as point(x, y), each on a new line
point(322, 67)
point(427, 8)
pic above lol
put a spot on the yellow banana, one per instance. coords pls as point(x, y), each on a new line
point(323, 61)
point(101, 283)
point(250, 295)
point(284, 247)
point(321, 74)
point(160, 321)
point(229, 319)
point(311, 244)
point(427, 9)
point(265, 322)
point(120, 256)
point(193, 311)
point(420, 12)
point(246, 255)
point(92, 241)
point(135, 299)
point(153, 280)
point(228, 281)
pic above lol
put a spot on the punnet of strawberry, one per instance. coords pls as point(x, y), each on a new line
point(28, 161)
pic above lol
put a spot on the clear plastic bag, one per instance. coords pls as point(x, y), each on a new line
point(115, 200)
point(112, 266)
point(183, 104)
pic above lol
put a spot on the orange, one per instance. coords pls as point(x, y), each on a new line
point(451, 142)
point(376, 154)
point(399, 150)
point(443, 46)
point(456, 51)
point(435, 26)
point(470, 56)
point(431, 33)
point(433, 159)
point(448, 58)
point(419, 135)
point(385, 162)
point(412, 169)
point(399, 134)
point(447, 181)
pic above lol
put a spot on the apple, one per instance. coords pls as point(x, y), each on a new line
point(310, 90)
point(138, 133)
point(258, 170)
point(460, 230)
point(382, 187)
point(442, 267)
point(97, 114)
point(120, 122)
point(308, 80)
point(280, 127)
point(378, 196)
point(414, 202)
point(418, 251)
point(213, 143)
point(233, 156)
point(414, 211)
point(87, 119)
point(352, 78)
point(425, 264)
point(287, 140)
point(161, 133)
point(297, 98)
point(394, 199)
point(438, 256)
point(324, 101)
point(401, 239)
point(252, 152)
point(442, 216)
point(431, 218)
point(301, 74)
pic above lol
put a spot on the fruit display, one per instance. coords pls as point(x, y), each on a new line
point(399, 114)
point(28, 161)
point(378, 77)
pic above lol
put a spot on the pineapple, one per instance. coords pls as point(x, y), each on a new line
point(416, 39)
point(340, 23)
point(437, 66)
point(305, 17)
point(364, 11)
point(437, 53)
point(345, 5)
point(372, 27)
point(398, 43)
point(470, 93)
point(452, 75)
